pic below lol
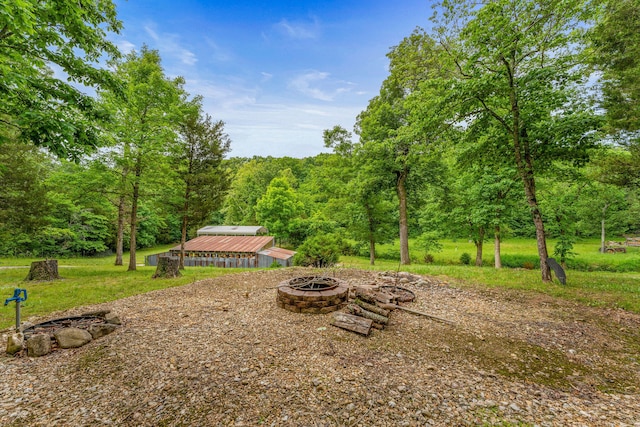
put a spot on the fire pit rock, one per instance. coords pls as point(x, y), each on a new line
point(69, 332)
point(312, 294)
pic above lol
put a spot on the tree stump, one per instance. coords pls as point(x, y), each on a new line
point(43, 270)
point(168, 268)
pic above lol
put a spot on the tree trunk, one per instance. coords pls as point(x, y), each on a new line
point(602, 232)
point(496, 248)
point(120, 231)
point(183, 238)
point(372, 239)
point(134, 219)
point(541, 240)
point(168, 268)
point(404, 226)
point(479, 243)
point(43, 270)
point(524, 163)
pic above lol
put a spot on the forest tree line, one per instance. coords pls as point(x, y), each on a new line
point(516, 118)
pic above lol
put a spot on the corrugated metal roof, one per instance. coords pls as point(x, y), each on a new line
point(278, 253)
point(232, 230)
point(226, 244)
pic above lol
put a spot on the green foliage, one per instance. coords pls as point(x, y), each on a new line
point(428, 242)
point(616, 44)
point(319, 251)
point(465, 258)
point(275, 264)
point(278, 207)
point(35, 105)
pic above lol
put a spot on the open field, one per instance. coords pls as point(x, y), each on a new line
point(516, 252)
point(86, 281)
point(95, 280)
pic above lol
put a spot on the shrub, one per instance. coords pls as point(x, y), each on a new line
point(465, 259)
point(527, 265)
point(428, 259)
point(275, 264)
point(319, 251)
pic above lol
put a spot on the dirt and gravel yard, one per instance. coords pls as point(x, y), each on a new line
point(219, 352)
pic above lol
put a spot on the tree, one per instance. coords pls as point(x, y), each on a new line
point(278, 207)
point(616, 43)
point(389, 142)
point(144, 130)
point(354, 193)
point(35, 105)
point(199, 151)
point(24, 204)
point(519, 67)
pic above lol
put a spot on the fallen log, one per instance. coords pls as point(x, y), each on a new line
point(419, 313)
point(352, 323)
point(359, 311)
point(371, 307)
point(373, 296)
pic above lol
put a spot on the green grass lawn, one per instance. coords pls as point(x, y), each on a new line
point(89, 281)
point(86, 281)
point(516, 252)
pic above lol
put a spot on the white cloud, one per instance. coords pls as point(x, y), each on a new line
point(168, 44)
point(318, 85)
point(125, 46)
point(299, 30)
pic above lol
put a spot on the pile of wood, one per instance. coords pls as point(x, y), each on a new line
point(371, 307)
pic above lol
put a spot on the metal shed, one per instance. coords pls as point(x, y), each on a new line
point(284, 257)
point(229, 252)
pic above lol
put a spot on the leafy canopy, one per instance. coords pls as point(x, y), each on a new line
point(39, 42)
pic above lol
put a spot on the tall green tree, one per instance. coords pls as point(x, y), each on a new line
point(616, 43)
point(37, 106)
point(355, 195)
point(24, 204)
point(279, 206)
point(387, 138)
point(144, 131)
point(199, 152)
point(519, 65)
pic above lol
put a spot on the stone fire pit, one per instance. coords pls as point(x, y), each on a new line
point(312, 294)
point(68, 332)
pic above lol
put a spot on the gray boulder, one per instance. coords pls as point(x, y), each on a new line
point(15, 343)
point(101, 329)
point(112, 318)
point(72, 337)
point(39, 345)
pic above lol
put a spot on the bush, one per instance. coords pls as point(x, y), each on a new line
point(319, 251)
point(275, 264)
point(428, 259)
point(465, 259)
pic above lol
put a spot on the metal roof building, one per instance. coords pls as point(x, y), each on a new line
point(229, 251)
point(232, 230)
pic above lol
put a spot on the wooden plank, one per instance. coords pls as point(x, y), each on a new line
point(352, 323)
point(419, 313)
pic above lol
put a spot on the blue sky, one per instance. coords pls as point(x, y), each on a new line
point(279, 72)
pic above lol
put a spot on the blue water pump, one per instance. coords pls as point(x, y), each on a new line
point(18, 299)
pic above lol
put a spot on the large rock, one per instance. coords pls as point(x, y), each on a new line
point(98, 330)
point(112, 318)
point(15, 343)
point(72, 337)
point(39, 345)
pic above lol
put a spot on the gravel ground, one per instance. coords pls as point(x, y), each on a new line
point(219, 352)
